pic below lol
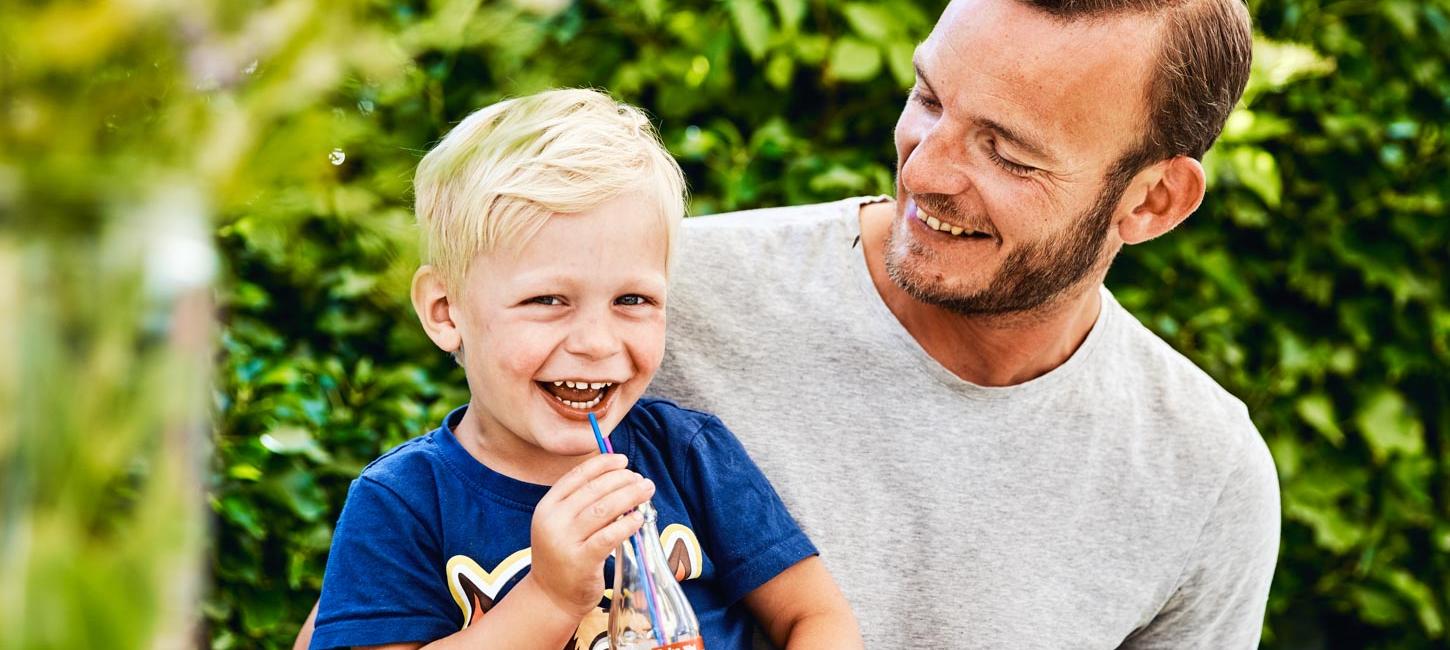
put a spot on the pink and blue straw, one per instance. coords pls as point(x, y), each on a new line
point(637, 543)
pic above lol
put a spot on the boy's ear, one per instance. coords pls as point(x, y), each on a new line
point(1166, 193)
point(430, 300)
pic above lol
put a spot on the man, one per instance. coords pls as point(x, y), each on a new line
point(988, 449)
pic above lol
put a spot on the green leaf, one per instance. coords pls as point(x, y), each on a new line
point(1245, 126)
point(298, 490)
point(780, 71)
point(1257, 170)
point(244, 472)
point(871, 21)
point(791, 12)
point(752, 23)
point(282, 374)
point(1422, 598)
point(839, 179)
point(1317, 498)
point(242, 512)
point(351, 284)
point(1318, 411)
point(812, 48)
point(1276, 64)
point(652, 10)
point(1376, 606)
point(1404, 15)
point(289, 440)
point(854, 60)
point(1388, 426)
point(899, 59)
point(261, 610)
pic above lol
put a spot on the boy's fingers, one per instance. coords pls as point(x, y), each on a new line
point(582, 474)
point(609, 507)
point(609, 537)
point(595, 490)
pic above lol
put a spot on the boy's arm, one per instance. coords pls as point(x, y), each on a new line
point(525, 620)
point(304, 635)
point(802, 608)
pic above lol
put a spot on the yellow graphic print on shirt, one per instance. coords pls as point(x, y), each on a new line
point(476, 590)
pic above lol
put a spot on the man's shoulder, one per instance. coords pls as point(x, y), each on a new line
point(777, 246)
point(1179, 393)
point(766, 219)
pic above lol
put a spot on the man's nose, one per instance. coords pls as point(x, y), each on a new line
point(937, 164)
point(593, 336)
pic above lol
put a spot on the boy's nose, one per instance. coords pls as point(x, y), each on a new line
point(592, 338)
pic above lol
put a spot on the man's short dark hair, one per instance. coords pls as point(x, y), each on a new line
point(1202, 68)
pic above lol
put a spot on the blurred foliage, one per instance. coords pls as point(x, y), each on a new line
point(1311, 283)
point(124, 127)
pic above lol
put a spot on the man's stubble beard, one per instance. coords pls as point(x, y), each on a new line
point(1032, 277)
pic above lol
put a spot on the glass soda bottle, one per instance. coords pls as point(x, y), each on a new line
point(649, 610)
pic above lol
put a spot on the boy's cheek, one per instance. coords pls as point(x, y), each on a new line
point(648, 350)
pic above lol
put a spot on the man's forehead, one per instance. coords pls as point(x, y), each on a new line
point(1069, 83)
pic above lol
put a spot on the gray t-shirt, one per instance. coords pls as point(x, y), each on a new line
point(1123, 499)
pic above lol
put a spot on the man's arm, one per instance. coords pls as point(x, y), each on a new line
point(1219, 602)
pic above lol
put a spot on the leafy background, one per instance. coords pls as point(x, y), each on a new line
point(1311, 283)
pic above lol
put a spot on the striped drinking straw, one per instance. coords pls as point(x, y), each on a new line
point(635, 541)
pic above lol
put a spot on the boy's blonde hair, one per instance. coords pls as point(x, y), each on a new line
point(499, 175)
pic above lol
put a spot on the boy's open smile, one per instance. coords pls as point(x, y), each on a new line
point(577, 398)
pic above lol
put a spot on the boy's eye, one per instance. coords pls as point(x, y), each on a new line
point(545, 300)
point(632, 300)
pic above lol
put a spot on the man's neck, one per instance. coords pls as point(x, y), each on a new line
point(988, 350)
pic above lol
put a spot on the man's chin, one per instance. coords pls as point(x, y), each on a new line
point(925, 286)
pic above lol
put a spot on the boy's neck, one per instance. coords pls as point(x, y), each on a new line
point(507, 454)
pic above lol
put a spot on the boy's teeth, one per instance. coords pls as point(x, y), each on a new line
point(582, 405)
point(583, 385)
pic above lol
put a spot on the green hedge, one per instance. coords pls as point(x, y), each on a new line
point(1311, 284)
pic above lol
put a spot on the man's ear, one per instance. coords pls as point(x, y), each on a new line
point(1170, 191)
point(430, 300)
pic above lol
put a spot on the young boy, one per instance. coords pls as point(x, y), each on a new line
point(549, 224)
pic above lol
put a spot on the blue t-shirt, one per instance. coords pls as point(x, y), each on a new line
point(430, 538)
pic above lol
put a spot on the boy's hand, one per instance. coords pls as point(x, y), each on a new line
point(588, 513)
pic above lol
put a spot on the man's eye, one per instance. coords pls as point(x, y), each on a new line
point(1011, 167)
point(632, 300)
point(924, 99)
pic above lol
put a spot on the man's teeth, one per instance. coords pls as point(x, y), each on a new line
point(942, 226)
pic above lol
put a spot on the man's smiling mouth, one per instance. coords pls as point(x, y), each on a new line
point(938, 225)
point(581, 394)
